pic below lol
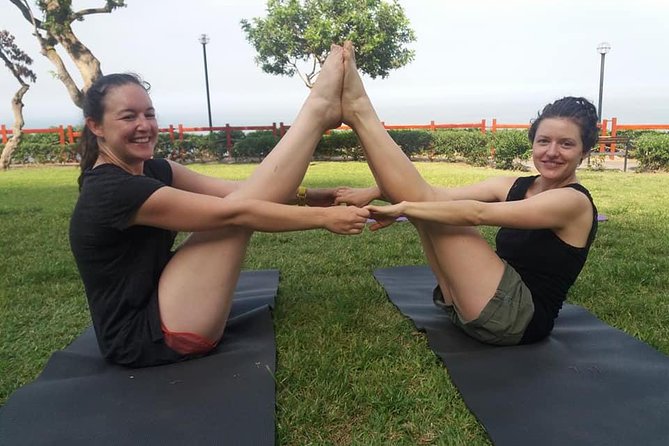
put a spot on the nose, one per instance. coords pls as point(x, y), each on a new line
point(142, 122)
point(553, 148)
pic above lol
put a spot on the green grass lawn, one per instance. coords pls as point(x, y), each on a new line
point(351, 369)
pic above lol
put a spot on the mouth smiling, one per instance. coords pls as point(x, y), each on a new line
point(552, 163)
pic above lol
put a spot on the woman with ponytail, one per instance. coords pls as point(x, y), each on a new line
point(150, 304)
point(547, 222)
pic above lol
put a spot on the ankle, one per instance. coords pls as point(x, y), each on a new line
point(320, 113)
point(361, 115)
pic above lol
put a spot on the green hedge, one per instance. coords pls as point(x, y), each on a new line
point(470, 146)
point(196, 148)
point(255, 145)
point(413, 142)
point(36, 153)
point(339, 144)
point(652, 151)
point(511, 147)
point(38, 148)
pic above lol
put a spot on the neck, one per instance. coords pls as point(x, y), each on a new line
point(106, 156)
point(545, 184)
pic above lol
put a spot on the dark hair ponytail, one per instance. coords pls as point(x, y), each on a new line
point(580, 111)
point(94, 108)
point(88, 151)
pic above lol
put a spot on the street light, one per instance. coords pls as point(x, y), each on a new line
point(602, 49)
point(204, 40)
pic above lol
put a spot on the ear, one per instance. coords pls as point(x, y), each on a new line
point(584, 155)
point(94, 127)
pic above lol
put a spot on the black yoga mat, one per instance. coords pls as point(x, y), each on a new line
point(226, 397)
point(586, 384)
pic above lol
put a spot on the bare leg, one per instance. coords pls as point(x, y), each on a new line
point(467, 268)
point(433, 261)
point(278, 176)
point(395, 174)
point(196, 287)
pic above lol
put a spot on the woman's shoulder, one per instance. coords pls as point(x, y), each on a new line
point(160, 169)
point(516, 187)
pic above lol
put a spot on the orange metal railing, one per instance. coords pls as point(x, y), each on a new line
point(66, 134)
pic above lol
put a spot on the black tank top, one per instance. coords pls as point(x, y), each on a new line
point(547, 265)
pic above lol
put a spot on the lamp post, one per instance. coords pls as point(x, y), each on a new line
point(204, 40)
point(602, 49)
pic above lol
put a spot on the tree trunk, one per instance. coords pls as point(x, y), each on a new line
point(87, 64)
point(61, 71)
point(56, 29)
point(17, 130)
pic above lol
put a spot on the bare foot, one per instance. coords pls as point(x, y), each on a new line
point(354, 99)
point(325, 97)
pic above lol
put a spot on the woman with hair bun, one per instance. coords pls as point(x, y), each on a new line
point(548, 221)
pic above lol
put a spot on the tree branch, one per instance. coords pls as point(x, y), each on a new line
point(89, 11)
point(110, 5)
point(305, 78)
point(313, 69)
point(61, 71)
point(27, 13)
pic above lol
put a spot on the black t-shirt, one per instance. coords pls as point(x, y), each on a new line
point(120, 265)
point(547, 265)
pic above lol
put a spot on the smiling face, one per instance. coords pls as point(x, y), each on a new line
point(557, 150)
point(128, 129)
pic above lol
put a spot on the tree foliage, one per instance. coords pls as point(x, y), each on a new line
point(55, 28)
point(15, 59)
point(297, 31)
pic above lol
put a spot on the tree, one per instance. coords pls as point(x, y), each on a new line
point(17, 61)
point(56, 28)
point(295, 31)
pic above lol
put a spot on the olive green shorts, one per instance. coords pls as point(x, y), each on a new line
point(504, 319)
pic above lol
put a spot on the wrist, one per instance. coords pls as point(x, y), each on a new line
point(301, 196)
point(321, 217)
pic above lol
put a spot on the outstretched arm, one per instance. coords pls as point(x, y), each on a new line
point(185, 179)
point(566, 211)
point(177, 210)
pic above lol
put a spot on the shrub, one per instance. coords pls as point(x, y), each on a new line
point(471, 145)
point(412, 142)
point(45, 139)
point(340, 143)
point(511, 146)
point(220, 148)
point(37, 153)
point(255, 145)
point(42, 148)
point(195, 147)
point(185, 151)
point(652, 151)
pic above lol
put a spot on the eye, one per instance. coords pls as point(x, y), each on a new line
point(127, 117)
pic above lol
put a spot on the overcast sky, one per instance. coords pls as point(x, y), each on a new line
point(475, 59)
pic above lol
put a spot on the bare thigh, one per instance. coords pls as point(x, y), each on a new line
point(196, 287)
point(466, 266)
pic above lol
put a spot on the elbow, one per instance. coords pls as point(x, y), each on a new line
point(233, 212)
